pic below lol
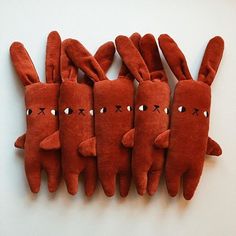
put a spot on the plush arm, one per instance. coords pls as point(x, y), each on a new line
point(213, 148)
point(128, 139)
point(52, 142)
point(162, 140)
point(20, 142)
point(88, 147)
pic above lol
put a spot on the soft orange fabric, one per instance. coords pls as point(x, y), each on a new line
point(113, 107)
point(77, 122)
point(151, 110)
point(188, 136)
point(41, 100)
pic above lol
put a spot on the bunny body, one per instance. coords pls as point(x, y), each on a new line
point(151, 111)
point(41, 101)
point(187, 140)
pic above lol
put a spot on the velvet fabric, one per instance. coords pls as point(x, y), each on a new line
point(77, 122)
point(187, 140)
point(151, 110)
point(41, 101)
point(113, 108)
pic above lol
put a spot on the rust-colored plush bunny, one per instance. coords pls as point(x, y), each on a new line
point(113, 106)
point(151, 110)
point(41, 100)
point(187, 140)
point(77, 122)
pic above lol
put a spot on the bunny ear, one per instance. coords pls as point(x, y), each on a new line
point(84, 60)
point(23, 64)
point(68, 70)
point(53, 52)
point(135, 38)
point(105, 55)
point(174, 57)
point(132, 58)
point(151, 56)
point(211, 60)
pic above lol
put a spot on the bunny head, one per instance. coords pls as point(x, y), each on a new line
point(192, 98)
point(153, 93)
point(40, 98)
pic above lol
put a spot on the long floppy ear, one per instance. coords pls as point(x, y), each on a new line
point(175, 58)
point(151, 56)
point(84, 60)
point(23, 64)
point(53, 53)
point(211, 60)
point(105, 55)
point(68, 70)
point(132, 58)
point(135, 38)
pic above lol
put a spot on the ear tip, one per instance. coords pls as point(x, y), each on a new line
point(121, 38)
point(135, 35)
point(15, 46)
point(219, 40)
point(148, 37)
point(55, 36)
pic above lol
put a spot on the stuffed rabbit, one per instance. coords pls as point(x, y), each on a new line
point(187, 140)
point(151, 110)
point(113, 106)
point(41, 100)
point(77, 122)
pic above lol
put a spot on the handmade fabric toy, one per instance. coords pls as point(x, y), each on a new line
point(187, 140)
point(77, 122)
point(151, 110)
point(113, 106)
point(41, 110)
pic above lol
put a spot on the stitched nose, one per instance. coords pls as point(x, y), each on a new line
point(118, 108)
point(81, 110)
point(195, 111)
point(41, 111)
point(156, 108)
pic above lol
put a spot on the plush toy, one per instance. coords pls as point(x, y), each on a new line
point(77, 122)
point(151, 110)
point(113, 106)
point(41, 112)
point(187, 140)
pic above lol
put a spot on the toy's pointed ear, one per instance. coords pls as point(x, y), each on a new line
point(23, 64)
point(84, 60)
point(174, 57)
point(135, 38)
point(53, 53)
point(151, 56)
point(105, 55)
point(68, 70)
point(211, 60)
point(132, 58)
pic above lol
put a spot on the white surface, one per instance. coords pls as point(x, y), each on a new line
point(212, 211)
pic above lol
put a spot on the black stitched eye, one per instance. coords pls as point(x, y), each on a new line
point(206, 114)
point(129, 108)
point(143, 108)
point(181, 109)
point(28, 112)
point(54, 112)
point(167, 110)
point(103, 110)
point(68, 111)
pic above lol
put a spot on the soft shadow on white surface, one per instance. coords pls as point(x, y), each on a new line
point(212, 211)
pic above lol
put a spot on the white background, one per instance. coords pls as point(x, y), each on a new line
point(212, 211)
